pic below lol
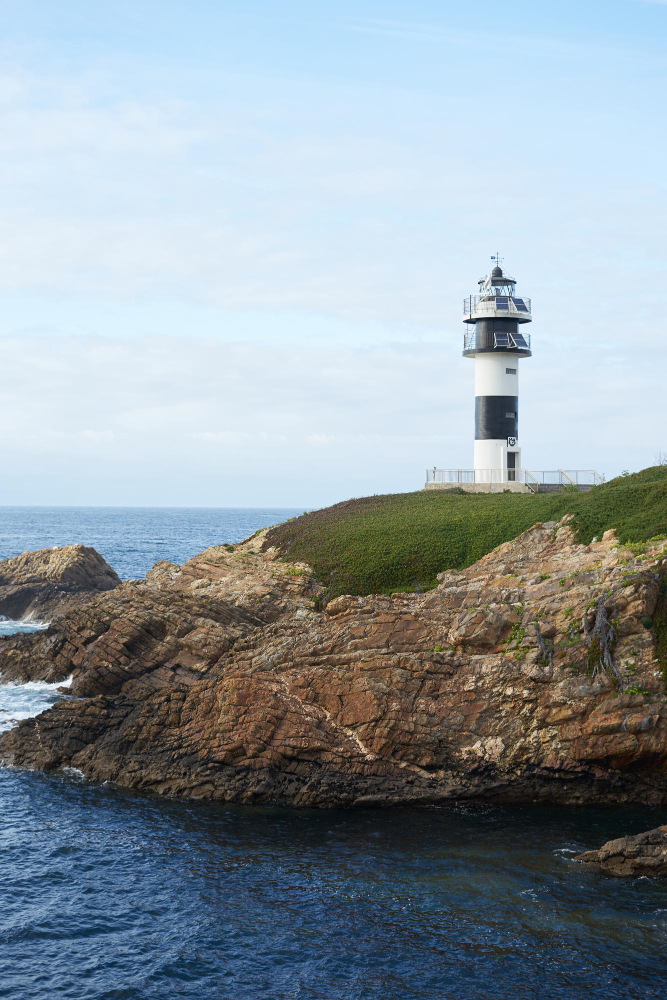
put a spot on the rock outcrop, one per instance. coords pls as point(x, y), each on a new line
point(50, 581)
point(530, 675)
point(644, 854)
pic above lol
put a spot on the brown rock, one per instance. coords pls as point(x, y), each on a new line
point(49, 581)
point(218, 679)
point(644, 854)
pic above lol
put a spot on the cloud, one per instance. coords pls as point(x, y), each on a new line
point(286, 210)
point(373, 212)
point(498, 40)
point(173, 421)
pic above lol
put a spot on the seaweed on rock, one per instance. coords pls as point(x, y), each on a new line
point(601, 637)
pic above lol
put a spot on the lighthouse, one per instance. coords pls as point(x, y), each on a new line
point(497, 340)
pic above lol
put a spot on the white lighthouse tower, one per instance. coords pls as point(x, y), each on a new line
point(495, 338)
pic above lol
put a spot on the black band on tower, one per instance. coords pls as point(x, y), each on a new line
point(496, 417)
point(486, 330)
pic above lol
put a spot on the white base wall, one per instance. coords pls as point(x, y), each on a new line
point(489, 455)
point(492, 455)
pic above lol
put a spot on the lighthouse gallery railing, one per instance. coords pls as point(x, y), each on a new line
point(495, 305)
point(470, 342)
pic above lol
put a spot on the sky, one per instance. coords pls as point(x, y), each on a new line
point(236, 237)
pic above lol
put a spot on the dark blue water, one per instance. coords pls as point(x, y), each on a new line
point(111, 896)
point(131, 539)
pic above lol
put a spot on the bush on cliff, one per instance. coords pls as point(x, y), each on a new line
point(401, 541)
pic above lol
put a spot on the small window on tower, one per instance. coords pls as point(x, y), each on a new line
point(510, 415)
point(510, 371)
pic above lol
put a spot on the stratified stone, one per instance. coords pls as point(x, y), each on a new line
point(50, 581)
point(220, 680)
point(644, 854)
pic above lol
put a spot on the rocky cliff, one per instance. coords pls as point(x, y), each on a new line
point(530, 675)
point(41, 584)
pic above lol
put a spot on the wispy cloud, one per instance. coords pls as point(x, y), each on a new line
point(500, 40)
point(374, 221)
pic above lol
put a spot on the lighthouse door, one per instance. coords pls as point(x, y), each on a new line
point(511, 466)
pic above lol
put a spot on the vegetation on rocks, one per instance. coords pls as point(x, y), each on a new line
point(659, 625)
point(400, 542)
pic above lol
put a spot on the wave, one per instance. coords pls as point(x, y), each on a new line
point(8, 626)
point(24, 701)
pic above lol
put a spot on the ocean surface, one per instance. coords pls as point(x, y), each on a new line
point(131, 539)
point(107, 895)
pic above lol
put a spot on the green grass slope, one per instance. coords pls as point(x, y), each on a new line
point(402, 541)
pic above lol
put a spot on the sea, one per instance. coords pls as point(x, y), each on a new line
point(110, 895)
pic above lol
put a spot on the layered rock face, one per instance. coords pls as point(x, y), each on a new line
point(530, 675)
point(644, 854)
point(181, 616)
point(41, 584)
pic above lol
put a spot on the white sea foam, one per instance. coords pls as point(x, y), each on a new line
point(10, 627)
point(23, 701)
point(74, 772)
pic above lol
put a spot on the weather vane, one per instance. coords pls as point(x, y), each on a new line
point(498, 259)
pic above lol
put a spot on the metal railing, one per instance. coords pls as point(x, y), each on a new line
point(489, 305)
point(555, 477)
point(454, 476)
point(470, 341)
point(569, 477)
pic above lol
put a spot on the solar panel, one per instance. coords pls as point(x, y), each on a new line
point(502, 339)
point(502, 302)
point(520, 305)
point(519, 340)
